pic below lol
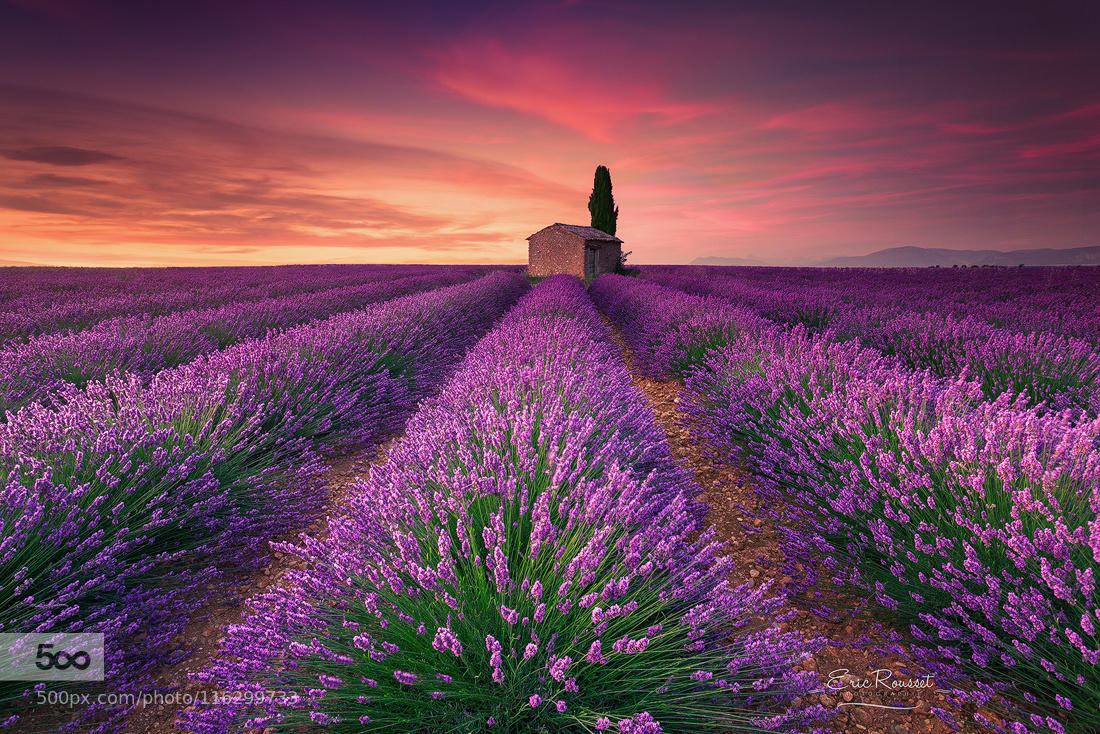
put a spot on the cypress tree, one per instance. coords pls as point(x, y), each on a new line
point(605, 215)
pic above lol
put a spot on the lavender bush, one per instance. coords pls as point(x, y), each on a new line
point(529, 558)
point(1046, 369)
point(37, 301)
point(1056, 300)
point(971, 522)
point(1057, 371)
point(42, 368)
point(122, 505)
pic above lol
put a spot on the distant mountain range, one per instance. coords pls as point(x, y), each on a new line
point(924, 257)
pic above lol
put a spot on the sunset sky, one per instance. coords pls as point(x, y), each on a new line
point(789, 132)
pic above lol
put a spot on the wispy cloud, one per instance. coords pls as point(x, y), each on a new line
point(39, 204)
point(59, 155)
point(52, 180)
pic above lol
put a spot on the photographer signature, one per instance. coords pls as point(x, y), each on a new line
point(882, 678)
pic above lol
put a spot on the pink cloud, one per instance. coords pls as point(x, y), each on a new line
point(554, 87)
point(1089, 145)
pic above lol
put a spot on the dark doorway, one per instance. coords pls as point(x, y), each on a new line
point(590, 262)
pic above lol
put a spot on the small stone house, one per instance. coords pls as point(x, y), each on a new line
point(573, 249)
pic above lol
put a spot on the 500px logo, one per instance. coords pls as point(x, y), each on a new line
point(62, 659)
point(51, 656)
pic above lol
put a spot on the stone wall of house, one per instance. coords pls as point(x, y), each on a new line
point(608, 258)
point(555, 251)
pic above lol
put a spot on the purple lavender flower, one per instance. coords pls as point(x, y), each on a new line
point(408, 679)
point(445, 639)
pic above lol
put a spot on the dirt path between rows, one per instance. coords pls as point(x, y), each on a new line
point(753, 545)
point(205, 633)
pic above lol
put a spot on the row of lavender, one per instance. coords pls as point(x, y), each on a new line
point(61, 299)
point(528, 559)
point(47, 366)
point(968, 522)
point(17, 283)
point(123, 506)
point(1059, 300)
point(1059, 370)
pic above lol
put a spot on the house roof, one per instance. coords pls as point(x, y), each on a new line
point(588, 233)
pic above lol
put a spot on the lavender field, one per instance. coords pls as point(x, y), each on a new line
point(525, 541)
